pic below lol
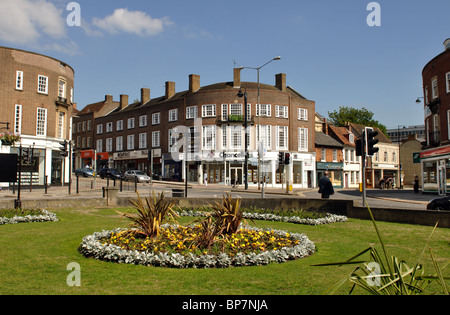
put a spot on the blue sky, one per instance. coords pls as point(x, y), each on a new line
point(329, 53)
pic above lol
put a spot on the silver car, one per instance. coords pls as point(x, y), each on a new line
point(141, 176)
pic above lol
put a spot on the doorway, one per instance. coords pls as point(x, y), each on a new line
point(236, 176)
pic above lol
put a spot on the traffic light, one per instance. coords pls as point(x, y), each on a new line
point(359, 147)
point(287, 158)
point(371, 141)
point(280, 158)
point(64, 151)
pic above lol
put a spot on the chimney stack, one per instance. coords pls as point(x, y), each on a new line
point(280, 82)
point(170, 89)
point(108, 99)
point(237, 78)
point(123, 101)
point(145, 96)
point(194, 83)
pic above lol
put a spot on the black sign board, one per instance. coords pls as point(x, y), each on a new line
point(8, 168)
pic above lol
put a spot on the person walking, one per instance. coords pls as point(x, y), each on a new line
point(325, 186)
point(205, 179)
point(416, 184)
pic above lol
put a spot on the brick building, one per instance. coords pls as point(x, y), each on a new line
point(212, 117)
point(435, 155)
point(36, 99)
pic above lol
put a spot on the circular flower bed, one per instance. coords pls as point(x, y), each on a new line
point(176, 247)
point(327, 218)
point(12, 217)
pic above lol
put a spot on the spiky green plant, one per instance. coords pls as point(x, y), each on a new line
point(228, 215)
point(151, 213)
point(383, 276)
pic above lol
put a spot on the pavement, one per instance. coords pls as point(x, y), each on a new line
point(213, 190)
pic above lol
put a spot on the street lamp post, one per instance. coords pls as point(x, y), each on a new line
point(240, 94)
point(259, 121)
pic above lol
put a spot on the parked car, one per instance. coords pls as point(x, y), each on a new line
point(85, 172)
point(439, 204)
point(141, 176)
point(111, 173)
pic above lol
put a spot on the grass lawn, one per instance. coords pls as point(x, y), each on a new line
point(34, 259)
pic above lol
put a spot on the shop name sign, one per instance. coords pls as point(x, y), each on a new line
point(131, 155)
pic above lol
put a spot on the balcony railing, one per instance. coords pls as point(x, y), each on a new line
point(434, 138)
point(61, 101)
point(235, 119)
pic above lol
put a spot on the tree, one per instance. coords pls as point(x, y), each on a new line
point(357, 116)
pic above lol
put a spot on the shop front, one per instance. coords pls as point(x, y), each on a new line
point(335, 172)
point(131, 160)
point(435, 166)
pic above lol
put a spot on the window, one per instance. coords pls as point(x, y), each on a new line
point(130, 142)
point(236, 109)
point(156, 139)
point(119, 143)
point(99, 129)
point(41, 123)
point(156, 118)
point(143, 121)
point(130, 124)
point(99, 146)
point(209, 137)
point(302, 114)
point(109, 127)
point(394, 158)
point(335, 157)
point(79, 127)
point(224, 137)
point(303, 139)
point(119, 125)
point(426, 95)
point(281, 111)
point(263, 134)
point(42, 84)
point(447, 80)
point(89, 125)
point(62, 89)
point(89, 142)
point(224, 112)
point(263, 110)
point(109, 145)
point(448, 123)
point(61, 119)
point(142, 141)
point(282, 137)
point(71, 95)
point(323, 155)
point(434, 89)
point(173, 115)
point(173, 137)
point(209, 110)
point(18, 119)
point(19, 80)
point(191, 112)
point(236, 137)
point(385, 156)
point(83, 128)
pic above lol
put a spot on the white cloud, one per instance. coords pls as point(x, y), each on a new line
point(26, 21)
point(133, 22)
